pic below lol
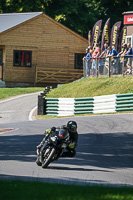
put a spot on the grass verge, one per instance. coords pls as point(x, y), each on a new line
point(9, 92)
point(90, 87)
point(36, 190)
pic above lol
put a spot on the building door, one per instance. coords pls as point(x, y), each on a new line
point(1, 64)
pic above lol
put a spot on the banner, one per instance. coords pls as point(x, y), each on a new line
point(106, 34)
point(115, 35)
point(96, 32)
point(122, 37)
point(89, 38)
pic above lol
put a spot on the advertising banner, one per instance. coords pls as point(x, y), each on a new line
point(123, 37)
point(115, 35)
point(96, 32)
point(106, 34)
point(89, 38)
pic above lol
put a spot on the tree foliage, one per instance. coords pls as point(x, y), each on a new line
point(78, 15)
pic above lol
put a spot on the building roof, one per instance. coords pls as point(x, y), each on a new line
point(127, 13)
point(10, 20)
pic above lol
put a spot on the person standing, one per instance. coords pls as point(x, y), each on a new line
point(95, 55)
point(91, 51)
point(123, 57)
point(129, 53)
point(88, 61)
point(106, 63)
point(113, 53)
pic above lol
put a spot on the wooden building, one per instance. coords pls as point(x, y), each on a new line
point(128, 21)
point(35, 49)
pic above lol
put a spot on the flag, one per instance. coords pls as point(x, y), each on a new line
point(106, 34)
point(96, 32)
point(89, 38)
point(115, 35)
point(123, 37)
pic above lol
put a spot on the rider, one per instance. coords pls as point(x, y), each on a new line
point(72, 129)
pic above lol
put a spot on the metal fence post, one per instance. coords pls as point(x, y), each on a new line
point(84, 67)
point(97, 72)
point(123, 66)
point(109, 66)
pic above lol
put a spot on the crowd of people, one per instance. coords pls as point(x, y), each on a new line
point(95, 60)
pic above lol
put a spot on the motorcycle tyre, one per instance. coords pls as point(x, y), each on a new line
point(38, 162)
point(49, 159)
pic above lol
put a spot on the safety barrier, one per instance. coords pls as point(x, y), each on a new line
point(98, 104)
point(60, 106)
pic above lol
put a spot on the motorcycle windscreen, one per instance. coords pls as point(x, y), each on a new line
point(63, 134)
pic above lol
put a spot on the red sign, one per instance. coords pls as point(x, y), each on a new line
point(128, 19)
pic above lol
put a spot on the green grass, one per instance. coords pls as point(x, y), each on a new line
point(9, 92)
point(90, 87)
point(21, 190)
point(87, 87)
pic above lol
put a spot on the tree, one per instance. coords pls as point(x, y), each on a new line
point(78, 15)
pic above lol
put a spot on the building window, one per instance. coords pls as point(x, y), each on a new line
point(22, 58)
point(129, 39)
point(79, 60)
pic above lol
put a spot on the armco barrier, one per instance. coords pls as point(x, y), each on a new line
point(97, 104)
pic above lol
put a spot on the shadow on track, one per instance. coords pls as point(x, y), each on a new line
point(65, 180)
point(111, 150)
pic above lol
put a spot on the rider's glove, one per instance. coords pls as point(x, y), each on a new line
point(71, 146)
point(48, 131)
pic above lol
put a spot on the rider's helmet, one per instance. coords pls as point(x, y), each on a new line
point(72, 126)
point(53, 129)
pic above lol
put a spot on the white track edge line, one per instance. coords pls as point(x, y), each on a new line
point(31, 113)
point(19, 96)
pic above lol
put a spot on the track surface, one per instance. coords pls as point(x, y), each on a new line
point(104, 153)
point(17, 109)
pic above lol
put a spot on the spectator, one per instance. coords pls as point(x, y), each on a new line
point(129, 62)
point(129, 51)
point(113, 53)
point(103, 54)
point(95, 55)
point(124, 50)
point(123, 53)
point(88, 61)
point(91, 51)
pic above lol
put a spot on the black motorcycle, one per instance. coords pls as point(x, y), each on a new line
point(53, 148)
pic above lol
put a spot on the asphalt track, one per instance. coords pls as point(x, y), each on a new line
point(104, 152)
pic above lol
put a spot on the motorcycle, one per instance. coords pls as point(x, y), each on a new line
point(53, 148)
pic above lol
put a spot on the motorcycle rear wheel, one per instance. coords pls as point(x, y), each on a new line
point(49, 158)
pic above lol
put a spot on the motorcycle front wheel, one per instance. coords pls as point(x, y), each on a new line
point(48, 158)
point(38, 162)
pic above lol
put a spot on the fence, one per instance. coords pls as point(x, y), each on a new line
point(109, 66)
point(98, 104)
point(57, 75)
